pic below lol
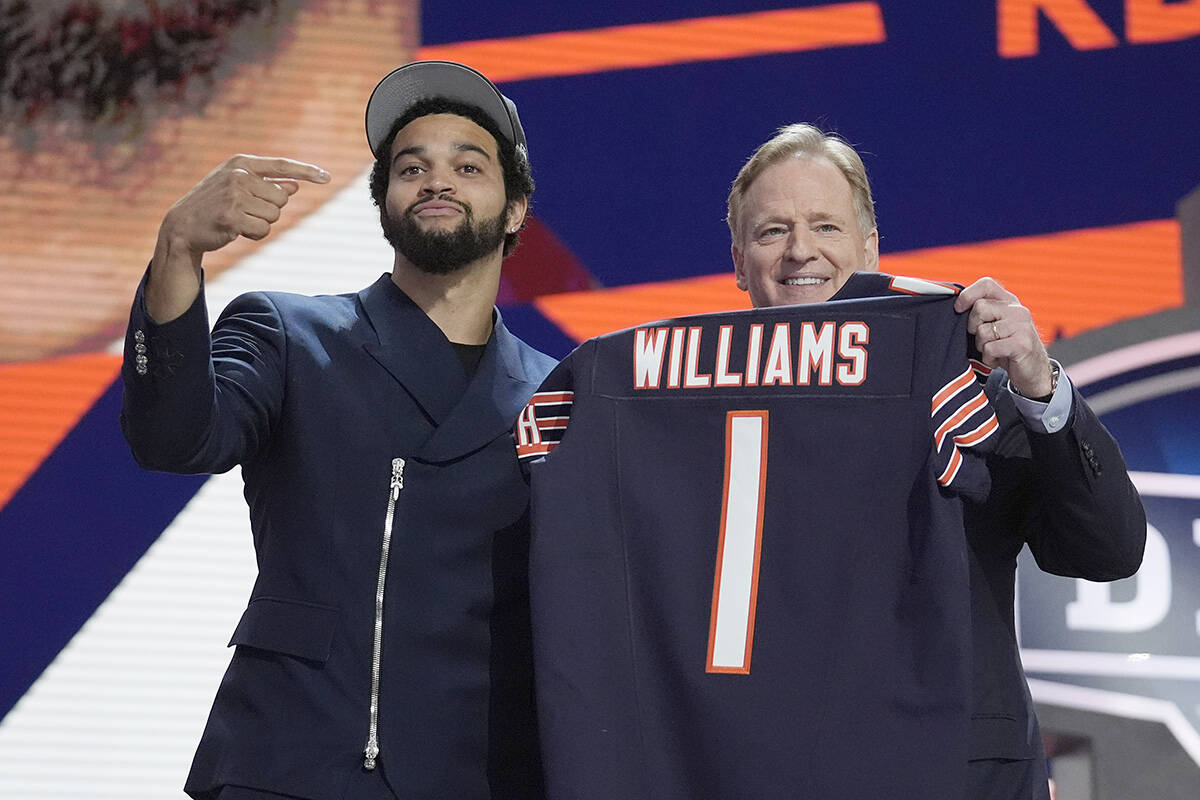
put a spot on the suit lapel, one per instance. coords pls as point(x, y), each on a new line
point(413, 349)
point(491, 403)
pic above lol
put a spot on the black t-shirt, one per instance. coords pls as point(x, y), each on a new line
point(469, 355)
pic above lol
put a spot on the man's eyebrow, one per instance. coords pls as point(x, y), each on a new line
point(769, 218)
point(462, 147)
point(827, 215)
point(787, 219)
point(415, 150)
point(474, 148)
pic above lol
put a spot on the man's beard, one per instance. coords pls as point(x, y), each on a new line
point(443, 252)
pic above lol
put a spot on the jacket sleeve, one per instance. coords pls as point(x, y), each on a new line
point(195, 402)
point(1085, 518)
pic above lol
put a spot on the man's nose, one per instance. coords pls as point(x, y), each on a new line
point(438, 181)
point(802, 247)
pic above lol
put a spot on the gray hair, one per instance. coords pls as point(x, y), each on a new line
point(802, 139)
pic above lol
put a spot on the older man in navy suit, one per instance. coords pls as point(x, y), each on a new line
point(802, 222)
point(385, 648)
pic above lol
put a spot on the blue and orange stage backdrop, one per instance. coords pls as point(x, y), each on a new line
point(1043, 142)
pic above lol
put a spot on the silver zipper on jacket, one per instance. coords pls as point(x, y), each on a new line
point(371, 751)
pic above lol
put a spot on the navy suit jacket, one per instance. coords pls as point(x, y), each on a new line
point(314, 397)
point(1068, 496)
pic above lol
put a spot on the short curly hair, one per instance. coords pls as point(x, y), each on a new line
point(514, 160)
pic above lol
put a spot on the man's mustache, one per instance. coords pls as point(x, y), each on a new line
point(440, 199)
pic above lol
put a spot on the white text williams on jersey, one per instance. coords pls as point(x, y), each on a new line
point(803, 353)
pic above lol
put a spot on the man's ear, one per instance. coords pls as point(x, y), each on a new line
point(871, 251)
point(736, 254)
point(515, 214)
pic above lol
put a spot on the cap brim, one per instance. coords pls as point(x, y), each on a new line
point(422, 80)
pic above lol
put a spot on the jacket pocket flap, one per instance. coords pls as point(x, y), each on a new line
point(292, 627)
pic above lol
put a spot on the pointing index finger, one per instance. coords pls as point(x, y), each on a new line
point(265, 167)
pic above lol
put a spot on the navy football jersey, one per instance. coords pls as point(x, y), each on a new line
point(748, 568)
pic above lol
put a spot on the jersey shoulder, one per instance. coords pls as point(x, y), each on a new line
point(882, 284)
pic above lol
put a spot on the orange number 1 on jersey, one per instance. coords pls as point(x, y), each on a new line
point(735, 584)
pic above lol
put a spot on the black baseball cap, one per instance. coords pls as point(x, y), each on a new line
point(405, 86)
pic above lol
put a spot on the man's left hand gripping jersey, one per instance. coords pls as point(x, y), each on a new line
point(748, 567)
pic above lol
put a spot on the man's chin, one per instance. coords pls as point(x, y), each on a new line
point(442, 246)
point(437, 268)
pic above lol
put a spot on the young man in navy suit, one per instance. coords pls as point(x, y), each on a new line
point(385, 648)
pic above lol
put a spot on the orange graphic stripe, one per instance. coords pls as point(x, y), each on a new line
point(659, 43)
point(1071, 281)
point(40, 402)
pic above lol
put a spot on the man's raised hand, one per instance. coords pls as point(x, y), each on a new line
point(1005, 334)
point(243, 196)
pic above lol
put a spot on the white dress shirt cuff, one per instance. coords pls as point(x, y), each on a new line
point(1049, 417)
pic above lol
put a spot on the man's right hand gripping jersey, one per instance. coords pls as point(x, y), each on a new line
point(748, 567)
